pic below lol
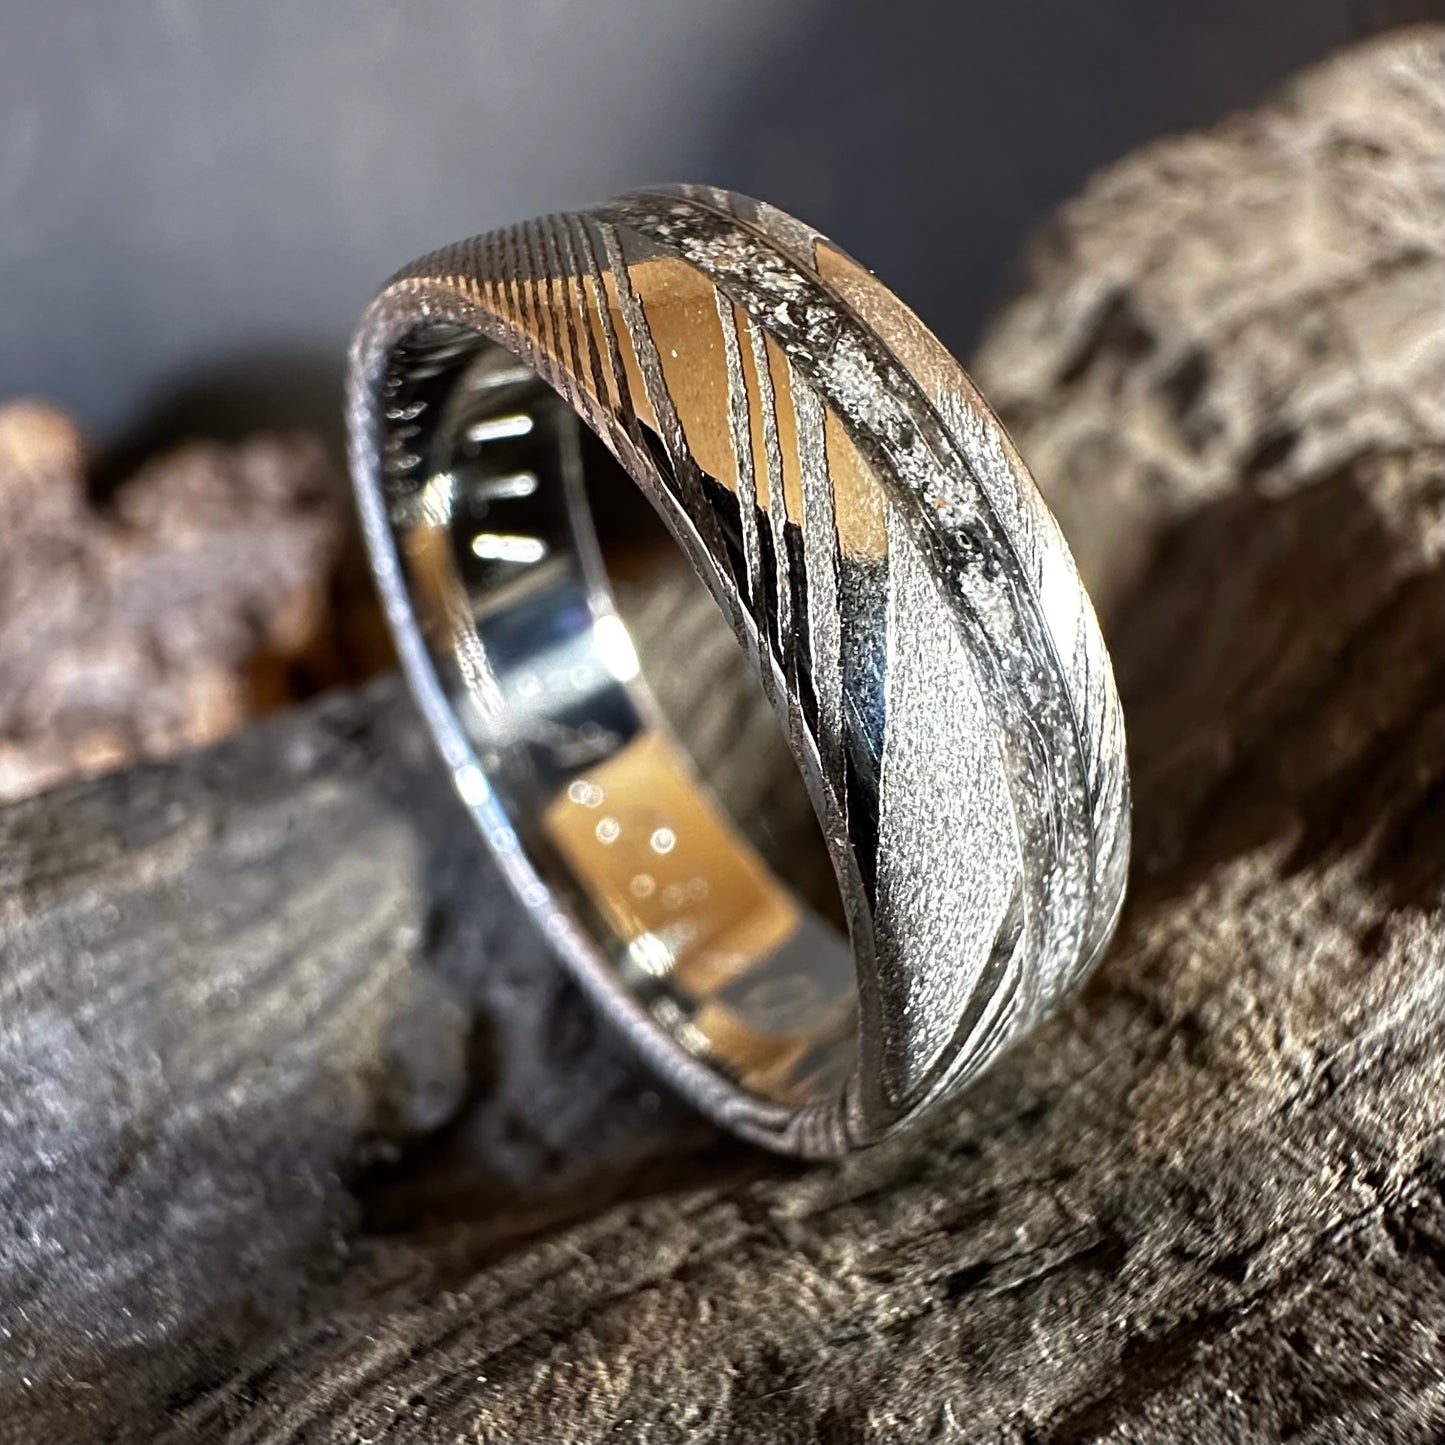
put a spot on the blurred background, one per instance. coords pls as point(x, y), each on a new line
point(197, 198)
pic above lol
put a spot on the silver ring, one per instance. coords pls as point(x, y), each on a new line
point(881, 553)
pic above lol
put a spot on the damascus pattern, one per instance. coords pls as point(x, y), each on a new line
point(868, 529)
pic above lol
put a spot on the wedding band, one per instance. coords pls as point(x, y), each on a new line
point(907, 601)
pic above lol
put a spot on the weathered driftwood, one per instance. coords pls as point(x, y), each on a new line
point(164, 616)
point(302, 1136)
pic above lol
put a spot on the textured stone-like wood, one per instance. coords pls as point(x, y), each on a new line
point(303, 1137)
point(189, 602)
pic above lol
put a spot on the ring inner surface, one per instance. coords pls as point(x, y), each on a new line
point(506, 579)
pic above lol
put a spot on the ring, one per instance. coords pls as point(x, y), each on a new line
point(903, 594)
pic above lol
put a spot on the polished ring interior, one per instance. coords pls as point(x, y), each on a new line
point(506, 578)
point(878, 547)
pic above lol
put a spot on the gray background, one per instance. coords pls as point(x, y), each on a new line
point(197, 197)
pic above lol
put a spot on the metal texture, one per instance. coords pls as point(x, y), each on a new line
point(877, 545)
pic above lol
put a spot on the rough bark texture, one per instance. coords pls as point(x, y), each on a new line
point(166, 615)
point(302, 1136)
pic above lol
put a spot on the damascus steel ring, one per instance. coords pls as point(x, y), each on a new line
point(902, 592)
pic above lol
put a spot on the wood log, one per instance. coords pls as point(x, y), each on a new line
point(303, 1135)
point(165, 615)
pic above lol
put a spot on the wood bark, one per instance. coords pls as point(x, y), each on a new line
point(164, 615)
point(303, 1135)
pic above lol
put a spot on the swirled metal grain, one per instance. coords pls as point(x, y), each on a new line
point(879, 547)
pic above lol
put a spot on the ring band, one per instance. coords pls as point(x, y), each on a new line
point(880, 551)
